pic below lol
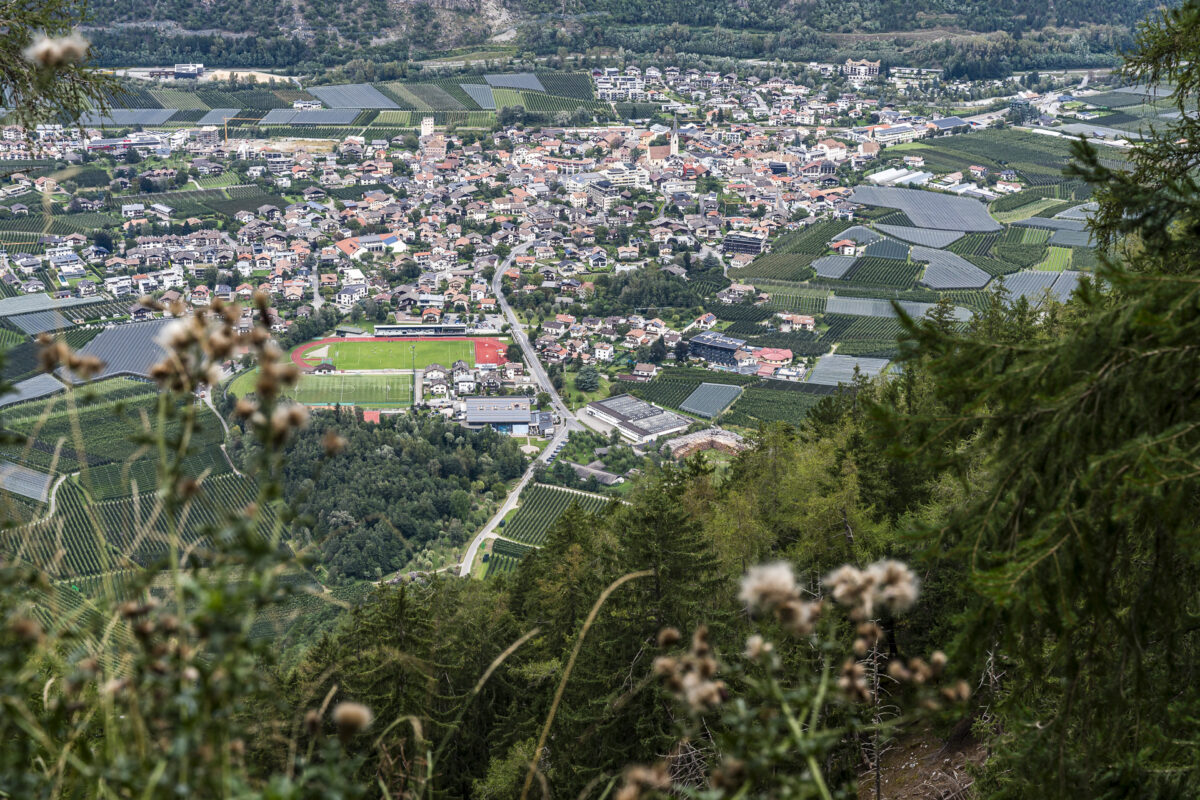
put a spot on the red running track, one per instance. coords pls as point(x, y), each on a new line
point(487, 351)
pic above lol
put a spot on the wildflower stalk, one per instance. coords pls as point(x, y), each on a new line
point(562, 684)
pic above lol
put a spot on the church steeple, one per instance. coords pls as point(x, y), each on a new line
point(675, 136)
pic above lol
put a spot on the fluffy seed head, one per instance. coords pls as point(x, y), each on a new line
point(352, 718)
point(768, 586)
point(757, 647)
point(51, 52)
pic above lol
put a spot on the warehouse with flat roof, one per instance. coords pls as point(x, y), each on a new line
point(636, 420)
point(510, 415)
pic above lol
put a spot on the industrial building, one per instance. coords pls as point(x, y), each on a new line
point(510, 414)
point(637, 420)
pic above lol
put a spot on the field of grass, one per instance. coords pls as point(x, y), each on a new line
point(359, 355)
point(384, 391)
point(508, 98)
point(1057, 259)
point(358, 390)
point(1026, 211)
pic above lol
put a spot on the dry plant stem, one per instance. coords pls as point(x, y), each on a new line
point(562, 684)
point(794, 725)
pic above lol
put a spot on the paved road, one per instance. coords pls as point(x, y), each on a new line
point(318, 301)
point(568, 421)
point(518, 333)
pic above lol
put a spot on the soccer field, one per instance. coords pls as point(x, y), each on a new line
point(359, 390)
point(357, 355)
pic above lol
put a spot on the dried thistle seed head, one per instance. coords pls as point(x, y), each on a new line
point(187, 488)
point(853, 682)
point(701, 694)
point(351, 719)
point(51, 353)
point(52, 53)
point(665, 665)
point(332, 443)
point(86, 367)
point(26, 629)
point(176, 335)
point(289, 374)
point(298, 416)
point(870, 631)
point(757, 647)
point(766, 587)
point(245, 407)
point(861, 648)
point(146, 301)
point(937, 661)
point(851, 587)
point(657, 777)
point(895, 585)
point(219, 344)
point(262, 302)
point(668, 637)
point(266, 386)
point(898, 671)
point(161, 372)
point(798, 616)
point(133, 609)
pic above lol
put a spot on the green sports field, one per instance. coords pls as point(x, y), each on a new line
point(362, 355)
point(391, 391)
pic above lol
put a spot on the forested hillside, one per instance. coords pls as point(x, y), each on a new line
point(962, 36)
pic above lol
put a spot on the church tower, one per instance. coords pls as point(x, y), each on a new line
point(675, 137)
